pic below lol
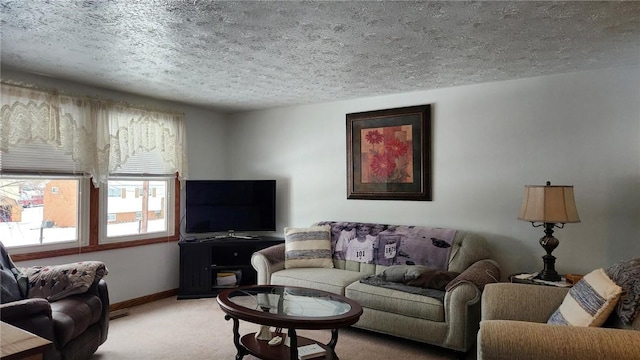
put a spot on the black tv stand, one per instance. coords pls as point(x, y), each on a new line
point(202, 261)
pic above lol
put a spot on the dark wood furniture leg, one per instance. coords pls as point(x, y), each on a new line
point(236, 338)
point(293, 343)
point(334, 339)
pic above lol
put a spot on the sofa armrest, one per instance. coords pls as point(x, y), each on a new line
point(24, 309)
point(479, 274)
point(267, 261)
point(462, 303)
point(522, 302)
point(33, 315)
point(507, 340)
point(100, 289)
point(462, 315)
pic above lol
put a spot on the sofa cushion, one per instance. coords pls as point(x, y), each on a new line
point(402, 273)
point(308, 247)
point(589, 302)
point(374, 280)
point(627, 275)
point(415, 279)
point(433, 279)
point(396, 301)
point(73, 315)
point(331, 280)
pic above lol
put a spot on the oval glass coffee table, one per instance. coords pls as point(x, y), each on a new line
point(286, 307)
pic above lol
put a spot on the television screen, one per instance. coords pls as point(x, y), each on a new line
point(230, 205)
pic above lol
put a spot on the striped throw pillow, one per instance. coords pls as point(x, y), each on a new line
point(308, 247)
point(589, 302)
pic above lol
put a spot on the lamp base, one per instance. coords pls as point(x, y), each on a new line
point(549, 272)
point(549, 243)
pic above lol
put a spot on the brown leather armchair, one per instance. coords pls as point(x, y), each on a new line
point(76, 324)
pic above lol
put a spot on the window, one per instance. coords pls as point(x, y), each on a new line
point(32, 214)
point(113, 173)
point(139, 217)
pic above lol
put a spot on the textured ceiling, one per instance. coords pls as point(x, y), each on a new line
point(254, 55)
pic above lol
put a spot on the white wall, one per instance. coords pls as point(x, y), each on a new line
point(138, 271)
point(489, 140)
point(133, 272)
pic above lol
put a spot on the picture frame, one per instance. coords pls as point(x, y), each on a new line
point(389, 154)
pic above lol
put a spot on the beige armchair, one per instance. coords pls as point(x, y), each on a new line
point(513, 326)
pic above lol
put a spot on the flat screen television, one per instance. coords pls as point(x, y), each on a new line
point(230, 205)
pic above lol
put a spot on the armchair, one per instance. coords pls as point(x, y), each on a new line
point(76, 320)
point(513, 326)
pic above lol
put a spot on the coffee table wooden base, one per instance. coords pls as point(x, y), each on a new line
point(248, 344)
point(261, 348)
point(266, 307)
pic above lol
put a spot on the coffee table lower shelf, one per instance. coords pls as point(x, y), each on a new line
point(262, 350)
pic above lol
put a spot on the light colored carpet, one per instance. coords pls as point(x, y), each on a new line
point(195, 329)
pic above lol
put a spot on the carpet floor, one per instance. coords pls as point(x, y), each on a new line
point(196, 329)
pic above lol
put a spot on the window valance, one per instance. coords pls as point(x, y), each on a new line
point(43, 131)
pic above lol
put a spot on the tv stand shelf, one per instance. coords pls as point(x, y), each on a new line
point(201, 261)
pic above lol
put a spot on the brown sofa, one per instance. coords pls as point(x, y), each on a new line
point(76, 324)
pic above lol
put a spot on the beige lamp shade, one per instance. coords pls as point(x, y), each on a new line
point(549, 204)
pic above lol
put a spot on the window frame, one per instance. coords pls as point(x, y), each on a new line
point(93, 231)
point(82, 229)
point(104, 198)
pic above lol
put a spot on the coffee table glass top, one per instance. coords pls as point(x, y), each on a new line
point(290, 301)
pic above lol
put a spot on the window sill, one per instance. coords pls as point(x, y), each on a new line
point(91, 248)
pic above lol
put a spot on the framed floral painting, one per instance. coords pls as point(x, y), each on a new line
point(389, 154)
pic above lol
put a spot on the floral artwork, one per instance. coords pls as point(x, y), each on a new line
point(387, 155)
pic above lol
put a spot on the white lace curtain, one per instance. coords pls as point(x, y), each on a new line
point(92, 137)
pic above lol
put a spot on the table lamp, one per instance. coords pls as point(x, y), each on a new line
point(549, 206)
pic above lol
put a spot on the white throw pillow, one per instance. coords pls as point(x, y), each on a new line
point(308, 247)
point(589, 302)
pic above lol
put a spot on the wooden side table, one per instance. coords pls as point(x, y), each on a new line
point(515, 278)
point(18, 344)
